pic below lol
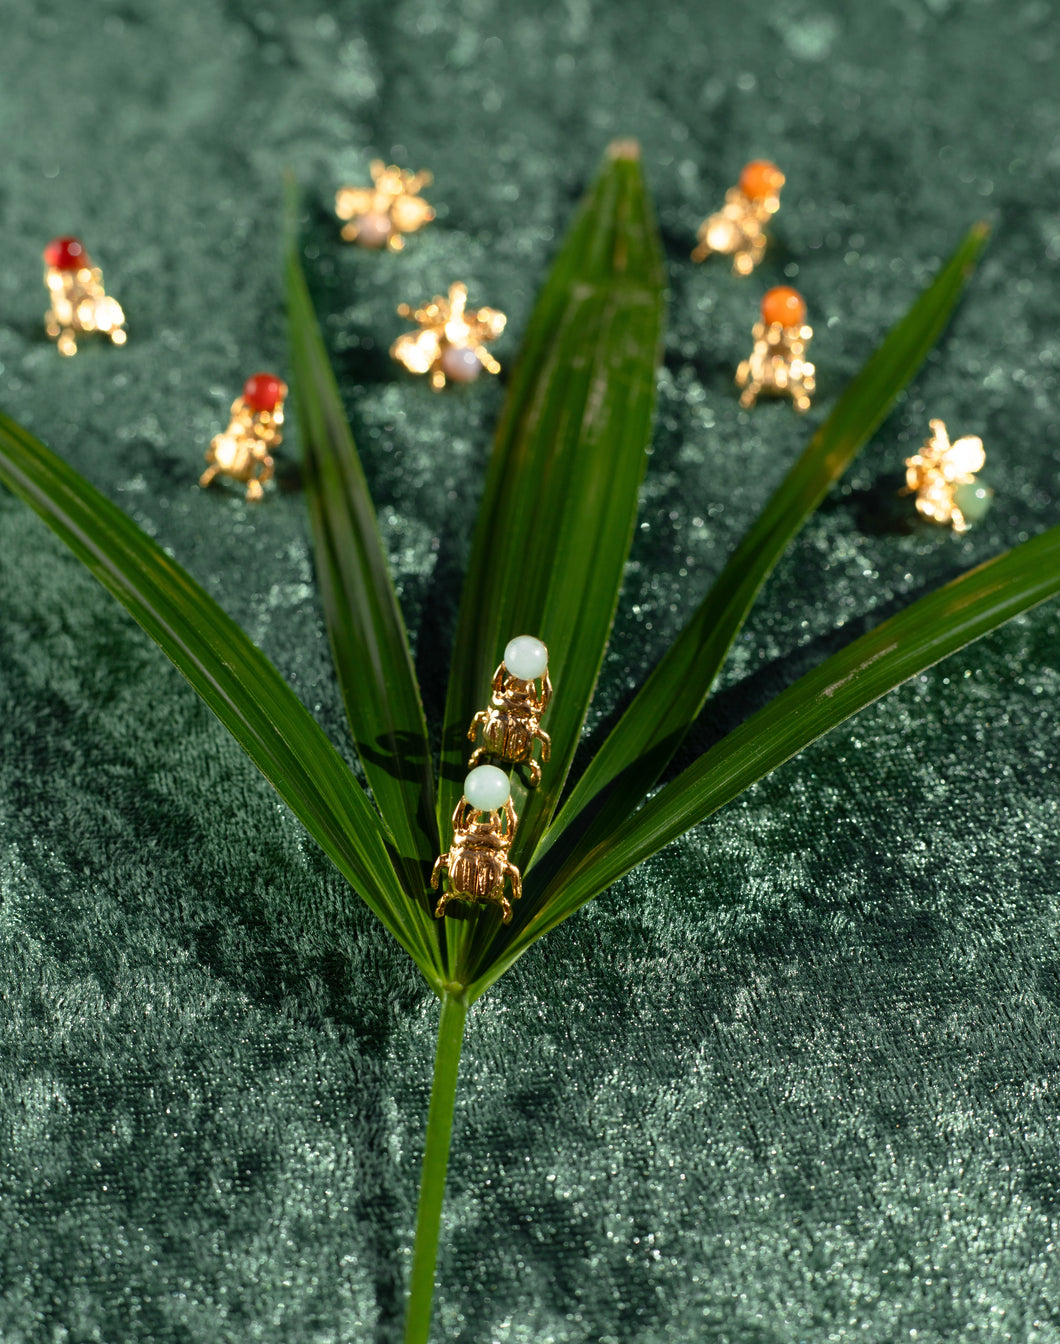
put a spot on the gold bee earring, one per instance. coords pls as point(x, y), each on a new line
point(738, 229)
point(510, 727)
point(242, 451)
point(379, 215)
point(451, 341)
point(79, 303)
point(477, 864)
point(942, 476)
point(777, 365)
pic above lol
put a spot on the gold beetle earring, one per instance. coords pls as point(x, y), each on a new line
point(451, 341)
point(777, 366)
point(79, 303)
point(942, 476)
point(738, 229)
point(242, 451)
point(510, 727)
point(377, 216)
point(477, 862)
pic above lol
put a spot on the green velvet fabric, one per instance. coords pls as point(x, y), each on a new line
point(796, 1078)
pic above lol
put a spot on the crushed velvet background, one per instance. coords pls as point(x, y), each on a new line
point(796, 1078)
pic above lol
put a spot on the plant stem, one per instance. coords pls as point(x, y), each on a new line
point(435, 1162)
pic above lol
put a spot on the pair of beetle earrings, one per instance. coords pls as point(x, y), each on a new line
point(450, 342)
point(777, 364)
point(476, 865)
point(81, 306)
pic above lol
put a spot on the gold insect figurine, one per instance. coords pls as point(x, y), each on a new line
point(510, 726)
point(378, 216)
point(451, 341)
point(777, 366)
point(942, 476)
point(738, 229)
point(242, 451)
point(79, 303)
point(477, 863)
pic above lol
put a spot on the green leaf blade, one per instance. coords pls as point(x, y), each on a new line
point(368, 638)
point(560, 499)
point(911, 641)
point(653, 726)
point(228, 671)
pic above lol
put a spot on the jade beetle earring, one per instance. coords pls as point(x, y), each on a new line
point(510, 726)
point(942, 476)
point(477, 863)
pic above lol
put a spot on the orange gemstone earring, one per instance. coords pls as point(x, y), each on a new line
point(451, 341)
point(79, 303)
point(738, 229)
point(777, 365)
point(242, 451)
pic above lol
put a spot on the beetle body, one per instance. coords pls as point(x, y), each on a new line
point(477, 863)
point(511, 725)
point(242, 452)
point(777, 366)
point(80, 305)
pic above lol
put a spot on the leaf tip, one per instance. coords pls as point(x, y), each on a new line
point(981, 229)
point(628, 149)
point(290, 206)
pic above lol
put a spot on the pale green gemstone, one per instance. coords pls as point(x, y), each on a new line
point(486, 788)
point(526, 657)
point(973, 500)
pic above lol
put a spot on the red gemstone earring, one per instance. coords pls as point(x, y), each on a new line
point(777, 365)
point(242, 451)
point(79, 303)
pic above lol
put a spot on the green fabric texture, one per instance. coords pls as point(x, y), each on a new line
point(794, 1079)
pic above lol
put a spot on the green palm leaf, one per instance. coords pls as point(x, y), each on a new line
point(368, 639)
point(970, 606)
point(560, 500)
point(234, 677)
point(643, 742)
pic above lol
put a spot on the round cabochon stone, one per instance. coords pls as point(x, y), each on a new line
point(486, 788)
point(373, 229)
point(461, 364)
point(973, 500)
point(65, 254)
point(525, 657)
